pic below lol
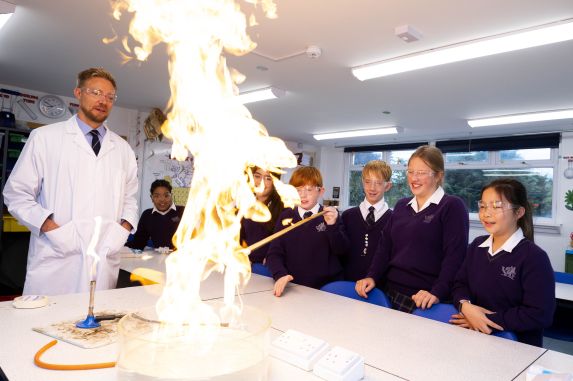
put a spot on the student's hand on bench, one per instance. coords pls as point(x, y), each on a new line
point(363, 286)
point(281, 283)
point(424, 299)
point(460, 320)
point(331, 215)
point(477, 320)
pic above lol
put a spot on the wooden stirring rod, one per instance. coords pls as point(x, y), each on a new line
point(264, 241)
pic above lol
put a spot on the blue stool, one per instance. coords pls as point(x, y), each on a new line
point(346, 288)
point(562, 329)
point(506, 335)
point(443, 312)
point(439, 312)
point(566, 278)
point(259, 268)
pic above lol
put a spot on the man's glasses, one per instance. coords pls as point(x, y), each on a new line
point(419, 174)
point(97, 93)
point(306, 190)
point(494, 206)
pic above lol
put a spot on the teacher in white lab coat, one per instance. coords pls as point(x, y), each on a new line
point(69, 173)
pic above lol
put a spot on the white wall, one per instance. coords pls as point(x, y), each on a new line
point(553, 240)
point(331, 164)
point(555, 244)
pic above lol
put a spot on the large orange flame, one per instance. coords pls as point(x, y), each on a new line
point(207, 120)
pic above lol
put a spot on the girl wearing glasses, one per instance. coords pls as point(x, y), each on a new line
point(253, 231)
point(423, 245)
point(506, 281)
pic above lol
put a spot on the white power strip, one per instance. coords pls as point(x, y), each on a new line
point(340, 364)
point(298, 349)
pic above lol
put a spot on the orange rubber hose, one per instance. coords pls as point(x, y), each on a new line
point(45, 365)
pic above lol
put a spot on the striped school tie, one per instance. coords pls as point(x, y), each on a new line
point(307, 214)
point(96, 144)
point(370, 217)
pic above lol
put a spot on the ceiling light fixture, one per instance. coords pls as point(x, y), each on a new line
point(507, 42)
point(261, 95)
point(522, 118)
point(6, 11)
point(356, 133)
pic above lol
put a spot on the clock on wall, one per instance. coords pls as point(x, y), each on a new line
point(52, 106)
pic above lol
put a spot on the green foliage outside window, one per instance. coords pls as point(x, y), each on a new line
point(467, 184)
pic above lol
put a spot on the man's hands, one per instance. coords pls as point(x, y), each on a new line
point(48, 225)
point(126, 225)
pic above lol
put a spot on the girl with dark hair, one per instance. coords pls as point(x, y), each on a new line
point(252, 231)
point(506, 281)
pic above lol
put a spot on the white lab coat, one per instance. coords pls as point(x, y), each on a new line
point(58, 174)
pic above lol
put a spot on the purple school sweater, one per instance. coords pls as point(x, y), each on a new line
point(357, 258)
point(252, 232)
point(518, 286)
point(309, 253)
point(424, 250)
point(159, 228)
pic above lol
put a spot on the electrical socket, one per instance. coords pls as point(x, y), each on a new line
point(298, 349)
point(340, 364)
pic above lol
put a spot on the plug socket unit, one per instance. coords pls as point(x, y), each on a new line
point(298, 349)
point(340, 364)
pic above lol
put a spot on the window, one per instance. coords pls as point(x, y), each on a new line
point(534, 168)
point(398, 161)
point(467, 172)
point(400, 188)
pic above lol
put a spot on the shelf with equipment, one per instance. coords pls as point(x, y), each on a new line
point(12, 142)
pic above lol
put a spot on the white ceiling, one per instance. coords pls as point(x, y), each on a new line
point(47, 42)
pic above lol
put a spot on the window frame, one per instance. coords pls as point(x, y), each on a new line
point(494, 162)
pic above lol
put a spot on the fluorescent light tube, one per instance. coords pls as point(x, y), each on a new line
point(261, 95)
point(356, 133)
point(6, 11)
point(507, 42)
point(4, 17)
point(522, 118)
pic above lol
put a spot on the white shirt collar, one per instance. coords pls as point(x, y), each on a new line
point(435, 198)
point(508, 245)
point(172, 207)
point(379, 208)
point(302, 211)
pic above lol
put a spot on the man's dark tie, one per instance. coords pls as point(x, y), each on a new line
point(96, 145)
point(370, 217)
point(307, 214)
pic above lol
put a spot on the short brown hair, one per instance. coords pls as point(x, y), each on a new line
point(306, 176)
point(378, 167)
point(433, 158)
point(95, 72)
